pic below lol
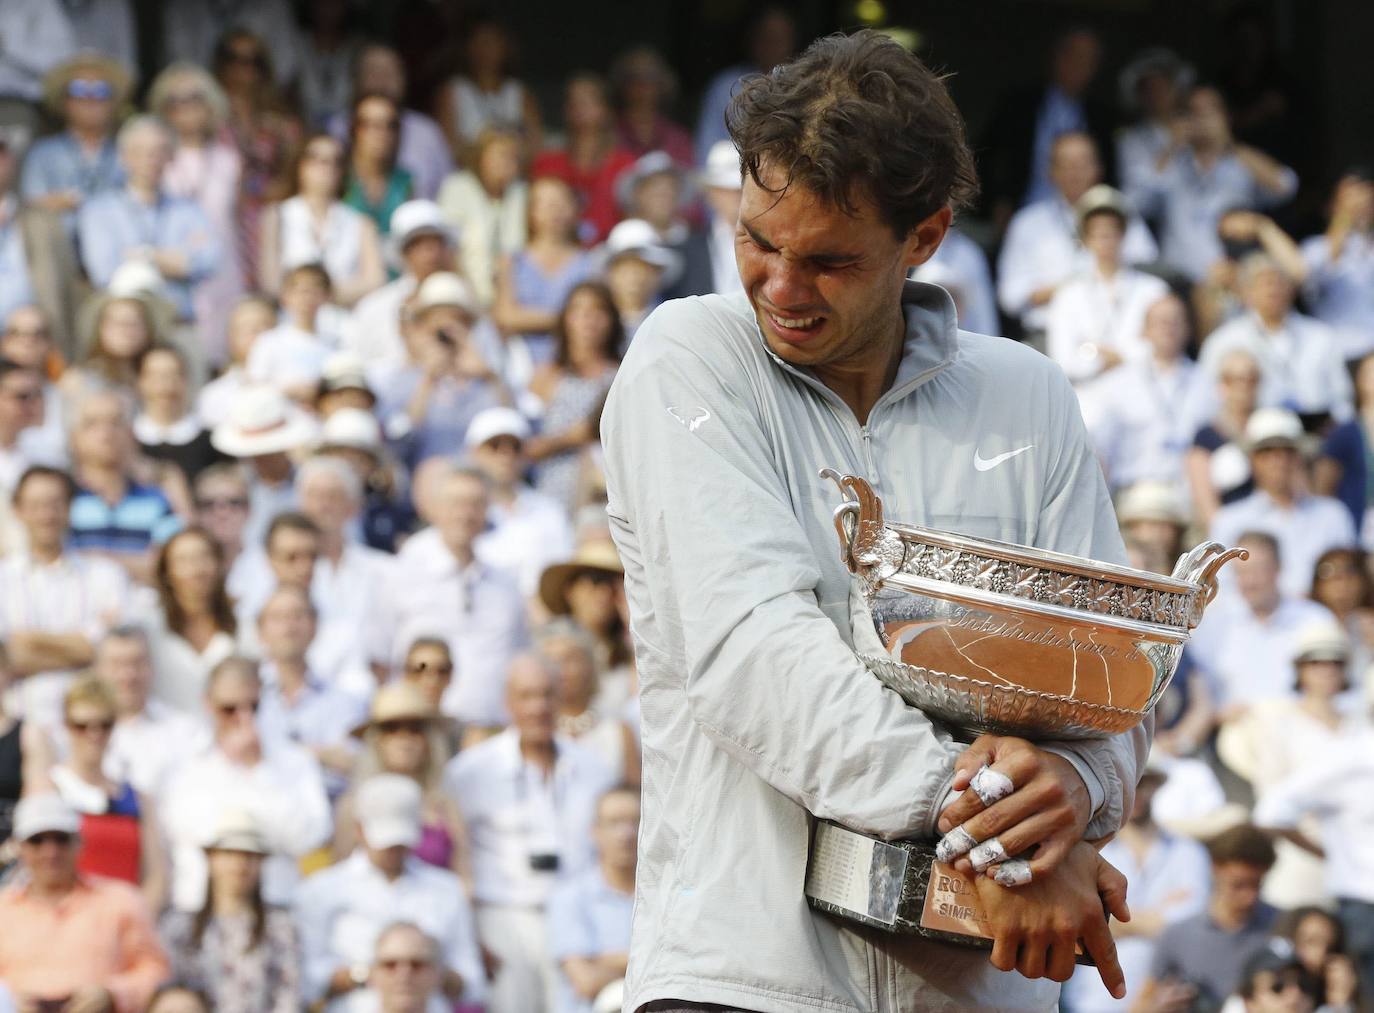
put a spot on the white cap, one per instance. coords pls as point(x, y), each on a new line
point(1272, 427)
point(653, 163)
point(1101, 197)
point(355, 428)
point(636, 237)
point(262, 421)
point(344, 371)
point(444, 288)
point(47, 813)
point(238, 830)
point(493, 422)
point(1322, 640)
point(413, 219)
point(135, 279)
point(722, 168)
point(1151, 501)
point(389, 811)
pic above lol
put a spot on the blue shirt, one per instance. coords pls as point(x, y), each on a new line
point(1059, 114)
point(15, 289)
point(586, 918)
point(321, 716)
point(143, 518)
point(58, 163)
point(113, 223)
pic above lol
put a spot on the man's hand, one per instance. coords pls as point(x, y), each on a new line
point(1036, 928)
point(91, 999)
point(1047, 809)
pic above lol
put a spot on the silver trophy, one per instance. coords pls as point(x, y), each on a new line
point(988, 636)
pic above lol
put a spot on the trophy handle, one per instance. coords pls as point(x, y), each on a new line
point(1200, 566)
point(867, 548)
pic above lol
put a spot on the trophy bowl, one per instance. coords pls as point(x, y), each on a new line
point(988, 636)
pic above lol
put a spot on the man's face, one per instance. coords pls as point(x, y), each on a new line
point(145, 154)
point(1207, 118)
point(42, 507)
point(404, 971)
point(426, 254)
point(103, 437)
point(21, 401)
point(1166, 327)
point(123, 663)
point(460, 510)
point(233, 703)
point(292, 556)
point(1236, 887)
point(27, 339)
point(286, 626)
point(222, 508)
point(1274, 468)
point(825, 286)
point(50, 858)
point(1257, 577)
point(633, 280)
point(326, 501)
point(1102, 235)
point(532, 698)
point(1270, 293)
point(1074, 166)
point(616, 831)
point(500, 459)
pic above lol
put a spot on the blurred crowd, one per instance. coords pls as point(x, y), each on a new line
point(316, 680)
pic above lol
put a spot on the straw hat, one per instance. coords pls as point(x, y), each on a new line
point(88, 63)
point(595, 556)
point(1323, 640)
point(238, 830)
point(397, 701)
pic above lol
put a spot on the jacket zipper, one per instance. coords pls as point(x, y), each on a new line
point(866, 435)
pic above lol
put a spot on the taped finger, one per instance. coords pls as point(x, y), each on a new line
point(1013, 872)
point(953, 844)
point(991, 786)
point(990, 852)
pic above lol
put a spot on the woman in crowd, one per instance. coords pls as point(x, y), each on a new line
point(261, 130)
point(207, 169)
point(122, 329)
point(119, 830)
point(236, 949)
point(178, 998)
point(428, 667)
point(586, 589)
point(591, 161)
point(645, 87)
point(314, 226)
point(376, 186)
point(487, 95)
point(1216, 466)
point(165, 427)
point(404, 735)
point(572, 652)
point(1342, 582)
point(194, 623)
point(587, 339)
point(1318, 941)
point(488, 205)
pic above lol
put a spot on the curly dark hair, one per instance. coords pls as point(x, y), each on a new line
point(858, 116)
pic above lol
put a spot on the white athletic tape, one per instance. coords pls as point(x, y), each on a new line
point(954, 844)
point(1013, 872)
point(990, 852)
point(991, 785)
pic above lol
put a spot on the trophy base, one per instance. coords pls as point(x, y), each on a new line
point(897, 886)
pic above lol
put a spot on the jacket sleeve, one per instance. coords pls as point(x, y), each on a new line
point(1076, 517)
point(715, 553)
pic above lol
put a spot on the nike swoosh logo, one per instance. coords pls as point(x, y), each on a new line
point(988, 463)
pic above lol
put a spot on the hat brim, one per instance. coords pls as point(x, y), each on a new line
point(1272, 443)
point(297, 431)
point(1323, 654)
point(382, 834)
point(396, 245)
point(666, 259)
point(360, 731)
point(553, 583)
point(247, 844)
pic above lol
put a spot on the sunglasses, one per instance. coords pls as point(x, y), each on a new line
point(1328, 570)
point(104, 726)
point(413, 963)
point(597, 577)
point(222, 503)
point(57, 837)
point(410, 727)
point(90, 88)
point(228, 710)
point(421, 667)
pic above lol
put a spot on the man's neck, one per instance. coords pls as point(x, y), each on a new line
point(539, 753)
point(619, 878)
point(106, 481)
point(860, 385)
point(128, 710)
point(292, 675)
point(1231, 921)
point(89, 138)
point(462, 554)
point(1266, 606)
point(51, 893)
point(1107, 268)
point(1284, 496)
point(331, 545)
point(44, 552)
point(1165, 363)
point(143, 192)
point(505, 495)
point(1271, 321)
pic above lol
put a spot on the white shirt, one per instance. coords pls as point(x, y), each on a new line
point(285, 794)
point(342, 910)
point(513, 812)
point(1304, 531)
point(1173, 879)
point(180, 671)
point(336, 242)
point(147, 747)
point(720, 246)
point(1090, 312)
point(1042, 248)
point(373, 331)
point(1340, 792)
point(531, 534)
point(1301, 364)
point(216, 398)
point(286, 357)
point(960, 267)
point(1340, 292)
point(321, 715)
point(83, 595)
point(1245, 658)
point(1142, 419)
point(478, 609)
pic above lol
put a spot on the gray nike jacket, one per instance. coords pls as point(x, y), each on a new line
point(757, 715)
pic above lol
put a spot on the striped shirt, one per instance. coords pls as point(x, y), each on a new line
point(142, 519)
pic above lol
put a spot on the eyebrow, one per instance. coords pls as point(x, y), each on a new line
point(827, 258)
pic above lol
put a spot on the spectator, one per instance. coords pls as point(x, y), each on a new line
point(242, 952)
point(423, 152)
point(221, 508)
point(1219, 297)
point(1272, 982)
point(486, 94)
point(772, 39)
point(287, 555)
point(1143, 414)
point(1205, 955)
point(1202, 174)
point(440, 586)
point(313, 225)
point(263, 429)
point(25, 755)
point(1152, 522)
point(199, 29)
point(657, 190)
point(1169, 879)
point(586, 588)
point(589, 916)
point(119, 832)
point(57, 603)
point(37, 263)
point(1339, 266)
point(121, 329)
point(354, 436)
point(67, 169)
point(1301, 365)
point(27, 339)
point(291, 355)
point(1340, 469)
point(343, 909)
point(517, 864)
point(1152, 86)
point(21, 415)
point(405, 972)
point(329, 50)
point(277, 782)
point(376, 185)
point(144, 222)
point(1318, 940)
point(645, 88)
point(193, 624)
point(533, 284)
point(260, 129)
point(1217, 469)
point(405, 735)
point(709, 254)
point(1305, 526)
point(591, 160)
point(423, 243)
point(588, 336)
point(639, 268)
point(1245, 643)
point(1343, 584)
point(166, 428)
point(488, 205)
point(296, 703)
point(150, 739)
point(961, 268)
point(1096, 318)
point(251, 316)
point(36, 36)
point(527, 531)
point(87, 943)
point(344, 387)
point(571, 652)
point(428, 667)
point(1041, 249)
point(205, 168)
